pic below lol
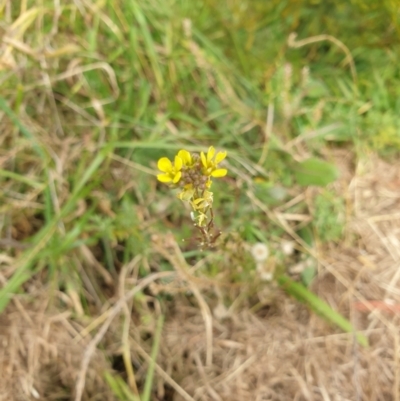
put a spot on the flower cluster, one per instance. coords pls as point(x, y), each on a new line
point(192, 174)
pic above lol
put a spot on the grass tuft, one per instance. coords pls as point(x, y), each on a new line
point(300, 94)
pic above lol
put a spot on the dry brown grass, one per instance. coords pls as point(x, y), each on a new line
point(285, 353)
point(282, 352)
point(58, 339)
point(39, 358)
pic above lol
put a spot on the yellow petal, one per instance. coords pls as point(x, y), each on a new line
point(164, 178)
point(185, 156)
point(178, 163)
point(220, 172)
point(203, 159)
point(164, 164)
point(177, 177)
point(220, 156)
point(210, 153)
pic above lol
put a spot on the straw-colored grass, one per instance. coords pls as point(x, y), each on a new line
point(104, 292)
point(279, 352)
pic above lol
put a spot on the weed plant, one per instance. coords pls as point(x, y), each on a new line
point(93, 94)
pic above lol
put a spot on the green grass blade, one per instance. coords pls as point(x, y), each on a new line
point(302, 294)
point(154, 352)
point(28, 258)
point(119, 388)
point(25, 132)
point(148, 41)
point(23, 179)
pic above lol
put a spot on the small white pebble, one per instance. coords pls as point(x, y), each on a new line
point(260, 252)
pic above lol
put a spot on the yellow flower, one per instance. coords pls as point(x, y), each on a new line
point(186, 157)
point(192, 175)
point(172, 172)
point(210, 164)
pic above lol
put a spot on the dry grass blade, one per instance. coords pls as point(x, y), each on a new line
point(113, 312)
point(165, 376)
point(179, 263)
point(292, 42)
point(93, 94)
